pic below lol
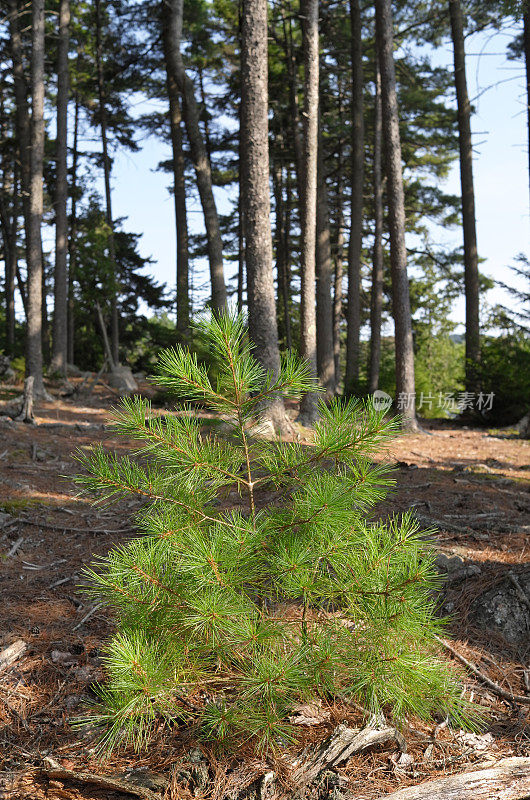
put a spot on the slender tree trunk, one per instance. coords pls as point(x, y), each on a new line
point(324, 279)
point(308, 338)
point(179, 191)
point(263, 328)
point(337, 296)
point(471, 278)
point(34, 248)
point(293, 106)
point(60, 311)
point(22, 119)
point(357, 182)
point(205, 124)
point(241, 246)
point(376, 304)
point(279, 242)
point(396, 218)
point(9, 226)
point(526, 47)
point(72, 250)
point(114, 315)
point(190, 112)
point(339, 252)
point(22, 127)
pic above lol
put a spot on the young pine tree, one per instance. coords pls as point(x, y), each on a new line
point(228, 615)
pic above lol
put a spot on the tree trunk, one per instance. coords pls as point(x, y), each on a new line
point(34, 247)
point(526, 48)
point(263, 329)
point(190, 111)
point(396, 218)
point(72, 259)
point(23, 131)
point(324, 278)
point(60, 310)
point(376, 304)
point(22, 119)
point(294, 117)
point(114, 316)
point(339, 252)
point(508, 779)
point(471, 278)
point(179, 191)
point(281, 255)
point(308, 405)
point(357, 180)
point(9, 224)
point(241, 245)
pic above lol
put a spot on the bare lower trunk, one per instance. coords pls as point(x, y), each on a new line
point(308, 343)
point(34, 248)
point(114, 316)
point(179, 191)
point(9, 221)
point(263, 329)
point(72, 249)
point(396, 217)
point(471, 277)
point(339, 252)
point(22, 119)
point(324, 278)
point(60, 310)
point(526, 47)
point(294, 116)
point(281, 255)
point(376, 304)
point(190, 111)
point(357, 180)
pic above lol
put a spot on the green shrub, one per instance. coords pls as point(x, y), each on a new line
point(505, 372)
point(228, 616)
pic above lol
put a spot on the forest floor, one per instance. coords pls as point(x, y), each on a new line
point(472, 485)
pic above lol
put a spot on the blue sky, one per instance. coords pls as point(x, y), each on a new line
point(497, 88)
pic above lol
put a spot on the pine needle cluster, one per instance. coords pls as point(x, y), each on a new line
point(258, 579)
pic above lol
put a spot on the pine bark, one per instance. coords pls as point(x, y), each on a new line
point(60, 311)
point(22, 118)
point(324, 280)
point(72, 245)
point(396, 217)
point(191, 115)
point(471, 276)
point(526, 48)
point(308, 344)
point(357, 182)
point(114, 315)
point(376, 299)
point(281, 254)
point(34, 247)
point(9, 225)
point(294, 116)
point(263, 328)
point(179, 186)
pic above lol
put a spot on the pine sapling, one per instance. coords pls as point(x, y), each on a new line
point(258, 579)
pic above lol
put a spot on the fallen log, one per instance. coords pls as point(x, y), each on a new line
point(12, 653)
point(508, 779)
point(343, 743)
point(53, 770)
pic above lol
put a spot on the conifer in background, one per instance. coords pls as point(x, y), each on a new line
point(228, 615)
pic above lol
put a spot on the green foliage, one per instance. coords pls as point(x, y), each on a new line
point(505, 371)
point(229, 615)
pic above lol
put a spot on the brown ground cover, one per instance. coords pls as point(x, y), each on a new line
point(472, 485)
